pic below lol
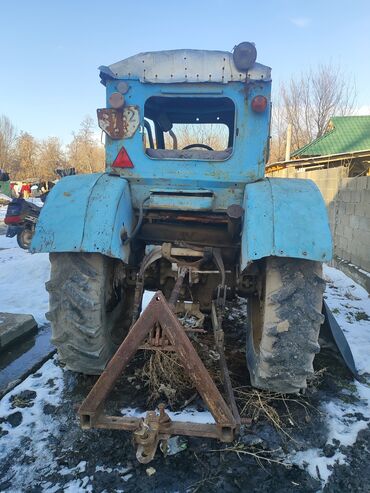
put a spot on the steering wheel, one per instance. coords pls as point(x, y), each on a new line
point(204, 146)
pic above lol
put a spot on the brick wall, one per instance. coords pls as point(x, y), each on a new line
point(352, 221)
point(348, 203)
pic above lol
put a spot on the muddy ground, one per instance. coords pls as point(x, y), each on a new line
point(50, 452)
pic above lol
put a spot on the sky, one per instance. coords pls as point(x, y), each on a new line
point(50, 50)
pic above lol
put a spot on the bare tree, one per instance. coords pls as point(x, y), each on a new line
point(278, 134)
point(26, 157)
point(8, 135)
point(51, 156)
point(308, 103)
point(332, 94)
point(85, 153)
point(214, 135)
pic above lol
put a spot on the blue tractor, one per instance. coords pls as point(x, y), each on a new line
point(184, 195)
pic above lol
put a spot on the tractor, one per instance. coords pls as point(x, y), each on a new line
point(184, 208)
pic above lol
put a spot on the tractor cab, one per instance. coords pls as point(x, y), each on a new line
point(188, 119)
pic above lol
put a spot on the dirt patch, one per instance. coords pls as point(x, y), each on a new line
point(59, 455)
point(15, 419)
point(23, 399)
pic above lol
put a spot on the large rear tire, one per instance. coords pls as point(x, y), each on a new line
point(284, 323)
point(89, 309)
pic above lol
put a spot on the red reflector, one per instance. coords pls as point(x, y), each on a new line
point(259, 104)
point(12, 219)
point(122, 160)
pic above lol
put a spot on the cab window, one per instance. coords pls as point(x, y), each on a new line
point(200, 128)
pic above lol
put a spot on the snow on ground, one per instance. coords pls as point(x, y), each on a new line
point(342, 419)
point(29, 439)
point(350, 304)
point(2, 212)
point(189, 415)
point(22, 278)
point(36, 428)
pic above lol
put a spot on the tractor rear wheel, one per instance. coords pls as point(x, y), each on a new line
point(284, 323)
point(89, 309)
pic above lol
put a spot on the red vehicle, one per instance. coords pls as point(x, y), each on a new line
point(21, 218)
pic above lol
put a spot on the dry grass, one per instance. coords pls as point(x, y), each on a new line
point(207, 483)
point(166, 379)
point(164, 376)
point(261, 404)
point(283, 411)
point(259, 455)
point(316, 378)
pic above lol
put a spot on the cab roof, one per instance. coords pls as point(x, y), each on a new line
point(176, 66)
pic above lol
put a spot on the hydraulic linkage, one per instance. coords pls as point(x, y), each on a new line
point(158, 328)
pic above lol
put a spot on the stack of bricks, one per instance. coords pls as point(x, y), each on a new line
point(352, 221)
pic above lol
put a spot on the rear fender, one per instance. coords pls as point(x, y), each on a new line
point(287, 218)
point(86, 213)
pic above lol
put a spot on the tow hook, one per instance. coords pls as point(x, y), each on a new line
point(150, 433)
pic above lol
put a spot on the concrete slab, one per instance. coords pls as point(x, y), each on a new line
point(19, 360)
point(13, 326)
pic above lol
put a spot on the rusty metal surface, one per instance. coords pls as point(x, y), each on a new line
point(158, 312)
point(186, 217)
point(110, 121)
point(190, 429)
point(154, 428)
point(159, 326)
point(165, 251)
point(226, 380)
point(176, 289)
point(217, 312)
point(194, 366)
point(150, 258)
point(92, 405)
point(131, 120)
point(119, 123)
point(198, 234)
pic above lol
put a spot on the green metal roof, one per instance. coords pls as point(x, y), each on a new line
point(345, 134)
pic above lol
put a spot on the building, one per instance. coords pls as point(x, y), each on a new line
point(338, 162)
